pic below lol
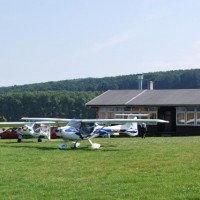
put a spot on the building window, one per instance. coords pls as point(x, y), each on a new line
point(118, 109)
point(140, 109)
point(188, 116)
point(109, 112)
point(180, 118)
point(127, 108)
point(102, 115)
point(110, 115)
point(180, 109)
point(190, 108)
point(152, 109)
point(153, 115)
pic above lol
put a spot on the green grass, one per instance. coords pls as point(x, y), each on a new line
point(123, 168)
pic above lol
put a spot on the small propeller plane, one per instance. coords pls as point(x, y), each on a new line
point(33, 129)
point(80, 129)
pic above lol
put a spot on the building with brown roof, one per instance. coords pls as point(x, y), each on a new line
point(181, 107)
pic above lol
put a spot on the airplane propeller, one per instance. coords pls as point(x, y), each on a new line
point(24, 128)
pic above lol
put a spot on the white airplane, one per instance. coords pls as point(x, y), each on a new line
point(80, 129)
point(33, 129)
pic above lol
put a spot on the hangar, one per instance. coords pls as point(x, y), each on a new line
point(181, 107)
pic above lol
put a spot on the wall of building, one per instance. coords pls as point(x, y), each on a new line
point(183, 120)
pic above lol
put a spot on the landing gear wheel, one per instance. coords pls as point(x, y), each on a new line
point(19, 139)
point(62, 146)
point(39, 139)
point(74, 145)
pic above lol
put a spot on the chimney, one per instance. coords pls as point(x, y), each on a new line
point(150, 85)
point(140, 79)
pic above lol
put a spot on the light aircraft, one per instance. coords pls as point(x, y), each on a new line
point(33, 129)
point(80, 129)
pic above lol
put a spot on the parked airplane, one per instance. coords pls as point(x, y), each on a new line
point(80, 129)
point(33, 129)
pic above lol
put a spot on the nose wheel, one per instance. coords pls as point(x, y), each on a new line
point(74, 145)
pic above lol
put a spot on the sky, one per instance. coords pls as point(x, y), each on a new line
point(53, 40)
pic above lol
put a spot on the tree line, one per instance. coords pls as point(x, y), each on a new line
point(67, 98)
point(63, 104)
point(177, 79)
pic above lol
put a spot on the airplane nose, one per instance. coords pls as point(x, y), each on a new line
point(24, 128)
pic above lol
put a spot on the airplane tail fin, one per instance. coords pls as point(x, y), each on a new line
point(132, 128)
point(46, 132)
point(49, 133)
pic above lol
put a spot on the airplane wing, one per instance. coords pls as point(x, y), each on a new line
point(12, 124)
point(124, 120)
point(47, 120)
point(98, 120)
point(19, 124)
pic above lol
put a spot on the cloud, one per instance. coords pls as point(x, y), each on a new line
point(111, 42)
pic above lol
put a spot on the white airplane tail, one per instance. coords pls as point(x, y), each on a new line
point(46, 132)
point(49, 133)
point(131, 128)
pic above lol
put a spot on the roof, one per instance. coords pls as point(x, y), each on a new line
point(147, 97)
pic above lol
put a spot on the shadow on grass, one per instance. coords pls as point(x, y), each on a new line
point(30, 147)
point(103, 148)
point(15, 142)
point(88, 148)
point(68, 149)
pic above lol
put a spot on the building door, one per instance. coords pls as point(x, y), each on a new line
point(169, 114)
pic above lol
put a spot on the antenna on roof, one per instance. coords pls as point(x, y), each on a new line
point(140, 79)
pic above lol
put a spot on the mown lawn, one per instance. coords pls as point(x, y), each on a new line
point(123, 168)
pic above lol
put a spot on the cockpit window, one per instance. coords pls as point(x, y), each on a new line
point(74, 123)
point(86, 128)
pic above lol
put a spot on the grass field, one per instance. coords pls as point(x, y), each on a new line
point(123, 168)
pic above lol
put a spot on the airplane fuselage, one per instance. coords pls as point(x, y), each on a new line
point(72, 133)
point(29, 131)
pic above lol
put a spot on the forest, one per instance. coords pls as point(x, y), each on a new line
point(67, 98)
